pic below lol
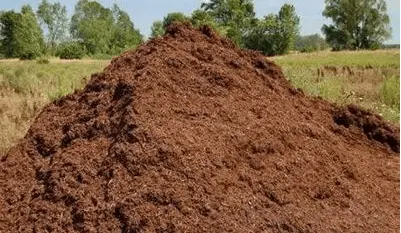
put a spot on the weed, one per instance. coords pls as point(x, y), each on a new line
point(390, 91)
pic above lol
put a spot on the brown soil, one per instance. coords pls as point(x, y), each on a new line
point(191, 134)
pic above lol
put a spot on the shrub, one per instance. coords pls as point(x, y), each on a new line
point(70, 50)
point(28, 55)
point(42, 60)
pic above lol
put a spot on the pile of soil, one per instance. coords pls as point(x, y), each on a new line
point(189, 133)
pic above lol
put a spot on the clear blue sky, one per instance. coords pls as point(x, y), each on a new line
point(144, 12)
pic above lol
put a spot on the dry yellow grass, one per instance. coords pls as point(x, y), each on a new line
point(26, 87)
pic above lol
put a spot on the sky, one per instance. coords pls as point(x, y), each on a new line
point(144, 12)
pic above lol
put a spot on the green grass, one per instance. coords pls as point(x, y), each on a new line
point(27, 86)
point(378, 58)
point(370, 79)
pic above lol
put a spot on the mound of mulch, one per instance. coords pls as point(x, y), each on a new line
point(190, 134)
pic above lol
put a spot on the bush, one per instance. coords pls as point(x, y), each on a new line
point(42, 60)
point(310, 43)
point(28, 55)
point(71, 50)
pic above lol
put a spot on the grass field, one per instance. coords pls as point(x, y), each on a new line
point(26, 86)
point(369, 79)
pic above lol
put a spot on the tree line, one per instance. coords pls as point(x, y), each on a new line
point(97, 30)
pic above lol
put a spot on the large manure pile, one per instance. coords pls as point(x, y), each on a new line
point(190, 134)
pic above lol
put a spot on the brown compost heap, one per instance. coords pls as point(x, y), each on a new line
point(189, 133)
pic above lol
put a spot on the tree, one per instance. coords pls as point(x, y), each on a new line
point(53, 17)
point(20, 34)
point(102, 30)
point(200, 17)
point(8, 24)
point(275, 34)
point(29, 35)
point(93, 25)
point(174, 17)
point(310, 43)
point(157, 29)
point(125, 35)
point(289, 27)
point(70, 50)
point(357, 24)
point(236, 16)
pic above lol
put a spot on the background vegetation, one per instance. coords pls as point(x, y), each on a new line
point(98, 31)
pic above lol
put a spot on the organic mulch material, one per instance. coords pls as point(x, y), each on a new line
point(189, 133)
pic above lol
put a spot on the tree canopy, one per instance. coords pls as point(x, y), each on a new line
point(53, 17)
point(125, 35)
point(275, 34)
point(236, 16)
point(95, 29)
point(356, 24)
point(102, 30)
point(20, 34)
point(157, 29)
point(310, 43)
point(200, 17)
point(174, 17)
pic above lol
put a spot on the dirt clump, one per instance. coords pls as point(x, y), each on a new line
point(189, 133)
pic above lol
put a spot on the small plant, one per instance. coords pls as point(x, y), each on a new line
point(390, 91)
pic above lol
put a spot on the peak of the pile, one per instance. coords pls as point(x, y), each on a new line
point(185, 29)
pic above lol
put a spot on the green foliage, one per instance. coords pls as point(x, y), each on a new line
point(390, 91)
point(174, 17)
point(125, 36)
point(20, 34)
point(310, 43)
point(9, 23)
point(157, 29)
point(200, 17)
point(357, 24)
point(237, 17)
point(70, 50)
point(29, 36)
point(275, 34)
point(53, 17)
point(93, 25)
point(103, 30)
point(42, 60)
point(390, 46)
